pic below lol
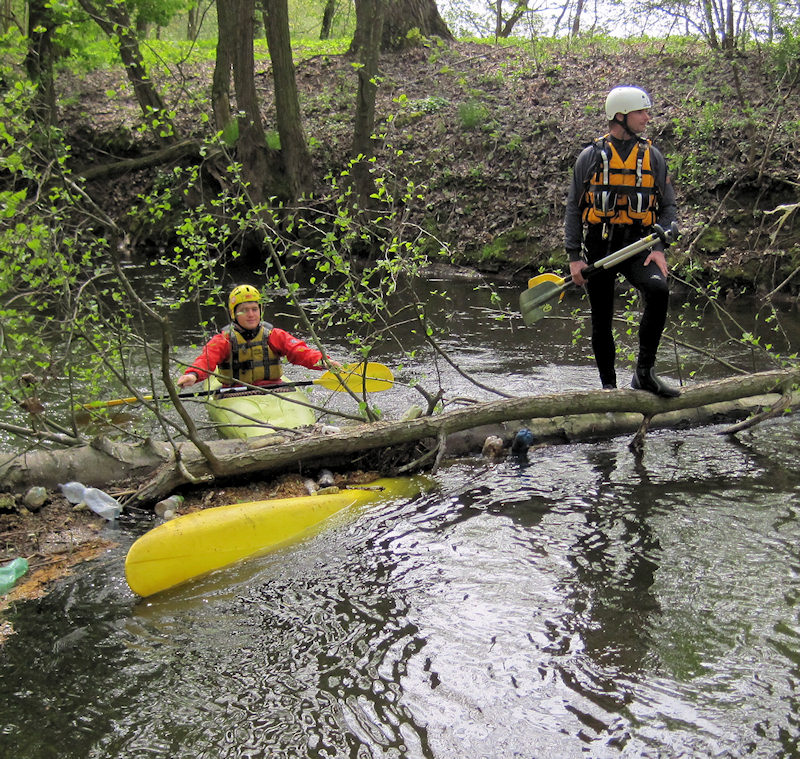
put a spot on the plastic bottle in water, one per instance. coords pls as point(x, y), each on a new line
point(73, 491)
point(171, 504)
point(99, 502)
point(11, 572)
point(103, 504)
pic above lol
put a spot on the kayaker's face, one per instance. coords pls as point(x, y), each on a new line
point(638, 120)
point(248, 315)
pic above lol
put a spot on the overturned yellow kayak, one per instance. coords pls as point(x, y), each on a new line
point(196, 543)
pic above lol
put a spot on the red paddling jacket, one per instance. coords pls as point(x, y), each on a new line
point(251, 356)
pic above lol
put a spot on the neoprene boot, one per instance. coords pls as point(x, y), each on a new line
point(647, 379)
point(608, 379)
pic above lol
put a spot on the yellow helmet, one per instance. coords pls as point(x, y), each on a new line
point(242, 294)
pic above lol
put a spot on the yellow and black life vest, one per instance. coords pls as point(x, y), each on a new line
point(251, 361)
point(621, 192)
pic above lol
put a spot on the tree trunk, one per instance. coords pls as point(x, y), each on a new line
point(400, 18)
point(519, 11)
point(294, 149)
point(709, 17)
point(370, 18)
point(112, 17)
point(576, 20)
point(552, 419)
point(39, 61)
point(221, 80)
point(192, 28)
point(729, 43)
point(6, 16)
point(327, 19)
point(258, 161)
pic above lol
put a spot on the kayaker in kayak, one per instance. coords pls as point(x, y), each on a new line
point(249, 350)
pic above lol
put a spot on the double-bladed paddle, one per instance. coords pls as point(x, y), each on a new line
point(358, 378)
point(534, 303)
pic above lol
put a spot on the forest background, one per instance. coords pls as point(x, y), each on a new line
point(352, 146)
point(342, 150)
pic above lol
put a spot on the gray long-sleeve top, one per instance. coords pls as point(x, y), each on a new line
point(585, 167)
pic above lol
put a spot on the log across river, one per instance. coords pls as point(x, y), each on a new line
point(588, 598)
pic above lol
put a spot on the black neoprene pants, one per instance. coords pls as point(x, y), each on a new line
point(653, 287)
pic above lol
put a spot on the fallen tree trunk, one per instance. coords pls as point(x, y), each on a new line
point(552, 418)
point(189, 148)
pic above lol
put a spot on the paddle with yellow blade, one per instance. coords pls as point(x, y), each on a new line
point(358, 378)
point(534, 303)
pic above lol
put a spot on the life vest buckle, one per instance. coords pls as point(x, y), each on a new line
point(605, 202)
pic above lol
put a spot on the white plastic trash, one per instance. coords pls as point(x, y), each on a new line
point(73, 491)
point(103, 504)
point(99, 502)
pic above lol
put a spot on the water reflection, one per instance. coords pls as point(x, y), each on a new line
point(579, 601)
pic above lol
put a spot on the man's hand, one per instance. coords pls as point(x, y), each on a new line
point(575, 269)
point(321, 367)
point(186, 380)
point(660, 260)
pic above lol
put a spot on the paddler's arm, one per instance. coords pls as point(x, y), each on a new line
point(217, 349)
point(573, 222)
point(295, 350)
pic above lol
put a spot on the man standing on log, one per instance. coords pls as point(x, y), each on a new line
point(620, 189)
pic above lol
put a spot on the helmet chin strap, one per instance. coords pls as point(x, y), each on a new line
point(624, 124)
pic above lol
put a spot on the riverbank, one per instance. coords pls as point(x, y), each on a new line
point(59, 536)
point(488, 134)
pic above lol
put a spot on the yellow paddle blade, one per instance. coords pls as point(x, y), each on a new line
point(548, 277)
point(360, 378)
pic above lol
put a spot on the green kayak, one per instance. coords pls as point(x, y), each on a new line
point(246, 414)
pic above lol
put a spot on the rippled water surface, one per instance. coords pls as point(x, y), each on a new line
point(579, 602)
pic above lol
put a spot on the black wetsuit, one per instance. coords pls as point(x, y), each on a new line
point(586, 242)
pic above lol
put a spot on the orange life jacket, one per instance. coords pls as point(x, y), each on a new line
point(621, 192)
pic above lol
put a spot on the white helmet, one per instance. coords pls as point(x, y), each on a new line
point(626, 99)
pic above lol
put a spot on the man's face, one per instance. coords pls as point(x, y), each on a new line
point(637, 120)
point(248, 315)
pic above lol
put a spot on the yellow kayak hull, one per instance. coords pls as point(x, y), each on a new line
point(197, 543)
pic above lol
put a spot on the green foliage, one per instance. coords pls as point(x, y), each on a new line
point(430, 104)
point(701, 162)
point(70, 310)
point(785, 54)
point(712, 240)
point(158, 12)
point(230, 133)
point(412, 110)
point(472, 114)
point(62, 318)
point(273, 140)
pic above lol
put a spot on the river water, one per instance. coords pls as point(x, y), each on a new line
point(578, 602)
